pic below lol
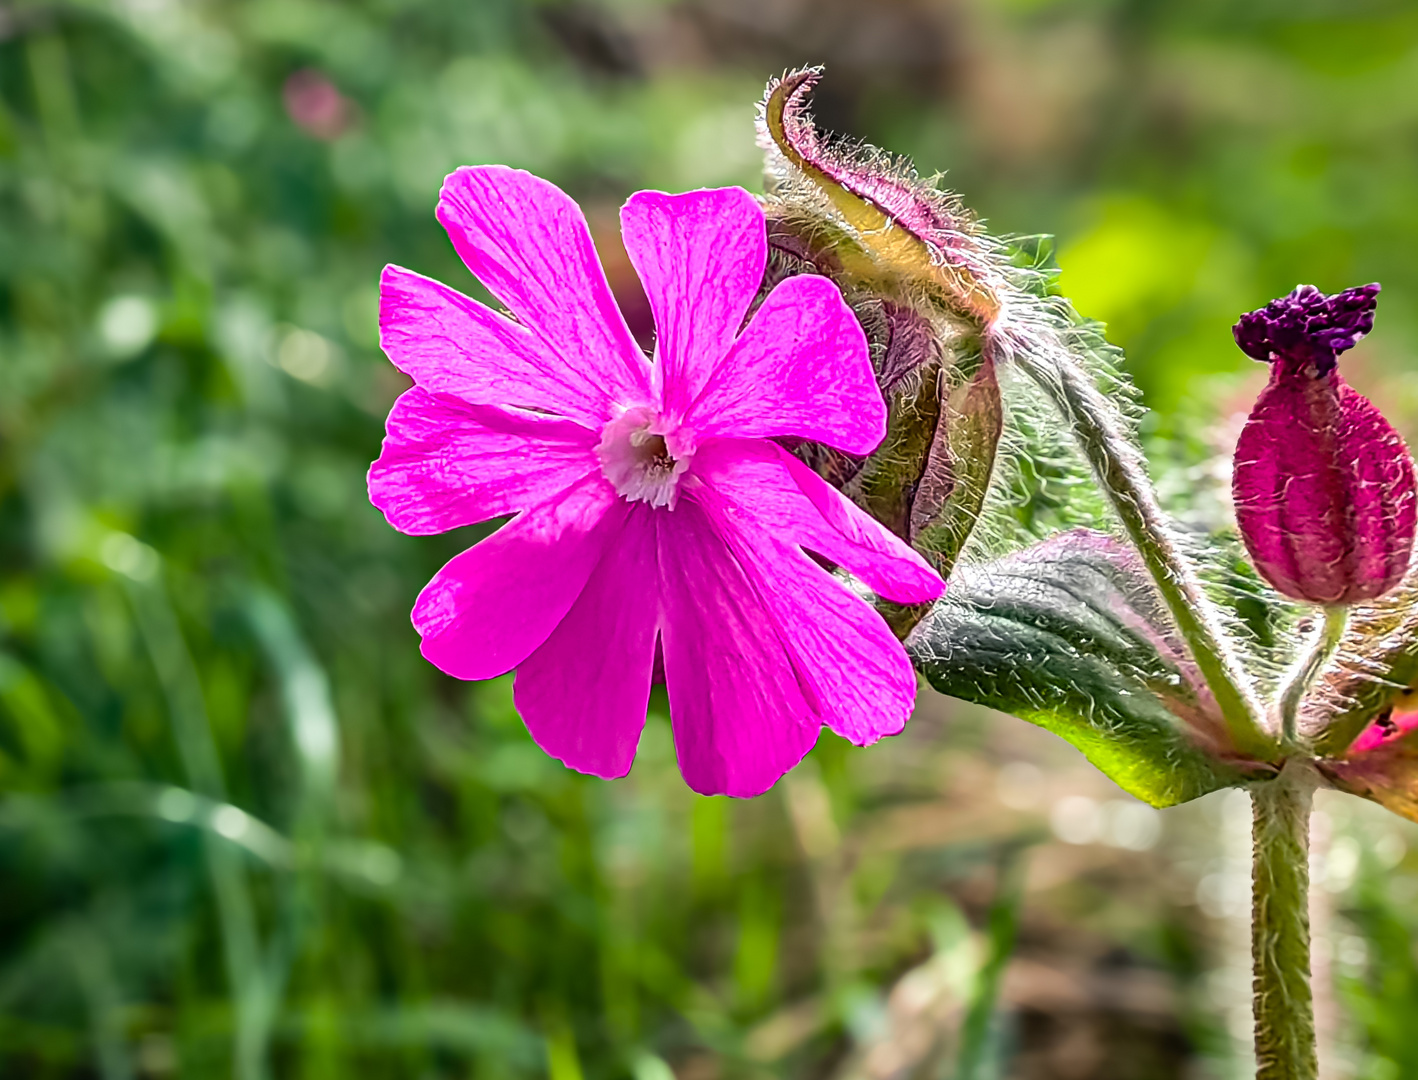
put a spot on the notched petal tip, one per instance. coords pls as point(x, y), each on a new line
point(1308, 325)
point(528, 243)
point(733, 199)
point(391, 296)
point(700, 257)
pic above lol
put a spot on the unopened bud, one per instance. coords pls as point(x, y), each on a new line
point(1323, 485)
point(904, 232)
point(921, 277)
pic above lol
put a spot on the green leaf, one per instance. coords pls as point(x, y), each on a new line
point(1070, 635)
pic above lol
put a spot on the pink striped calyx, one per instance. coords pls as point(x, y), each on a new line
point(1323, 485)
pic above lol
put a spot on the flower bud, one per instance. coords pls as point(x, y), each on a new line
point(1323, 485)
point(920, 276)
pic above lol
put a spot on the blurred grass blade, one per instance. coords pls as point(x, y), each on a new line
point(187, 712)
point(314, 732)
point(93, 967)
point(979, 1035)
point(305, 694)
point(221, 821)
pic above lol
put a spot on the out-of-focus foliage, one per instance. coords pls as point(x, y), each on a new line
point(245, 830)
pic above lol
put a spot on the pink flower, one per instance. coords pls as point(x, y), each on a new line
point(315, 104)
point(654, 516)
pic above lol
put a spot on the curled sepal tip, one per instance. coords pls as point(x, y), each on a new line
point(907, 231)
point(1323, 485)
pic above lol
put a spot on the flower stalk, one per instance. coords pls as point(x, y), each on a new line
point(1125, 482)
point(1280, 925)
point(1336, 619)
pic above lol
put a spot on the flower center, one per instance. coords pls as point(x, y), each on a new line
point(640, 459)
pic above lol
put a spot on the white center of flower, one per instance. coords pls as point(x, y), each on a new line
point(642, 461)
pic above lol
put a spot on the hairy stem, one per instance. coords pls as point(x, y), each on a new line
point(1280, 926)
point(1123, 477)
point(1336, 618)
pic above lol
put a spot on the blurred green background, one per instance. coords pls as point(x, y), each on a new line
point(245, 831)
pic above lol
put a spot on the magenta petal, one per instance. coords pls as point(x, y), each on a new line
point(761, 488)
point(448, 343)
point(447, 463)
point(739, 713)
point(528, 242)
point(584, 692)
point(1382, 764)
point(700, 256)
point(490, 607)
point(800, 368)
point(857, 668)
point(1395, 725)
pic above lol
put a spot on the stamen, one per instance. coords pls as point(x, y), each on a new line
point(636, 459)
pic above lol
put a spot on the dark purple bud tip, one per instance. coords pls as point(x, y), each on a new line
point(1324, 487)
point(1308, 326)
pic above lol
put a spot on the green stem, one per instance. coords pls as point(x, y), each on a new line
point(1280, 926)
point(1336, 618)
point(1123, 477)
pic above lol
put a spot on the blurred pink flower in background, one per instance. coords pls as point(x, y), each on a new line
point(315, 104)
point(655, 518)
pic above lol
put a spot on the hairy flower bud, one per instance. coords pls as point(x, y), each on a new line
point(1323, 485)
point(905, 232)
point(921, 278)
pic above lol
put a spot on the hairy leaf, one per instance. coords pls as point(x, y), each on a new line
point(1070, 635)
